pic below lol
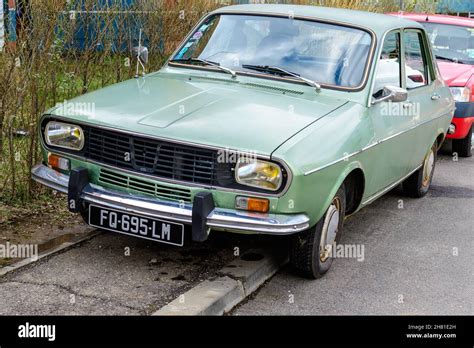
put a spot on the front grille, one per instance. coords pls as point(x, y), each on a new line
point(158, 190)
point(154, 157)
point(157, 159)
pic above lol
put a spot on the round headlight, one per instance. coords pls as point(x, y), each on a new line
point(257, 173)
point(64, 135)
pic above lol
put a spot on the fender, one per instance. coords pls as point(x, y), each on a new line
point(349, 167)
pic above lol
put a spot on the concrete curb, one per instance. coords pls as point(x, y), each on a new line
point(211, 297)
point(62, 247)
point(236, 281)
point(255, 267)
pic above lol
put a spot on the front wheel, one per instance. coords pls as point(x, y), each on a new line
point(418, 184)
point(463, 147)
point(311, 251)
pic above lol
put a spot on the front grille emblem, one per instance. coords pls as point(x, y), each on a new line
point(141, 157)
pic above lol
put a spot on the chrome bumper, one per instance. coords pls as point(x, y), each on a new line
point(219, 219)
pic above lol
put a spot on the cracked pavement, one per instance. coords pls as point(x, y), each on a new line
point(97, 278)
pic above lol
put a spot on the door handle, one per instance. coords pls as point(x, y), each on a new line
point(435, 97)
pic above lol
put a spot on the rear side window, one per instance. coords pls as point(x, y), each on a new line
point(416, 66)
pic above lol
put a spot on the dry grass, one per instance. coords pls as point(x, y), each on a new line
point(46, 67)
point(49, 65)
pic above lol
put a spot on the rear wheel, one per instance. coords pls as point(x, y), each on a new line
point(463, 147)
point(311, 250)
point(418, 184)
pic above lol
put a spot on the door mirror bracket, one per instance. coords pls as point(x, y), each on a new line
point(393, 94)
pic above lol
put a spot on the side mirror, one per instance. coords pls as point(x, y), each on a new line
point(393, 94)
point(140, 53)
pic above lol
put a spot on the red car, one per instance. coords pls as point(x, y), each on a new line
point(453, 44)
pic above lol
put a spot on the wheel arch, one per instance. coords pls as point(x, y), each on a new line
point(353, 174)
point(440, 138)
point(355, 187)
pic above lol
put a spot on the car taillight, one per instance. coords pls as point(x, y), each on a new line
point(416, 78)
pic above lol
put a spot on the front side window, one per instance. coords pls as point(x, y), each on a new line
point(325, 53)
point(388, 66)
point(416, 68)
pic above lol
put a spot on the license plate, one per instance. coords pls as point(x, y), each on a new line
point(137, 226)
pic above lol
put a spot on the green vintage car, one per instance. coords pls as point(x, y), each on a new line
point(268, 119)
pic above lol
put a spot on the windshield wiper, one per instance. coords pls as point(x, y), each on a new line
point(282, 72)
point(207, 62)
point(454, 60)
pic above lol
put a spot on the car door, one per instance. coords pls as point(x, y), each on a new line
point(392, 120)
point(423, 99)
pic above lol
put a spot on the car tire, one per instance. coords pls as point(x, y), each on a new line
point(418, 184)
point(463, 147)
point(309, 251)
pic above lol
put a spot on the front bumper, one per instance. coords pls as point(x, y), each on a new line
point(463, 120)
point(463, 125)
point(219, 219)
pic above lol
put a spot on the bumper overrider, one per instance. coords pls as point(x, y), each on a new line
point(201, 214)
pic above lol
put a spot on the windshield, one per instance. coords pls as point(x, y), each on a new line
point(325, 53)
point(452, 42)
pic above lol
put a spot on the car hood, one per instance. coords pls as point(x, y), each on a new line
point(455, 75)
point(216, 112)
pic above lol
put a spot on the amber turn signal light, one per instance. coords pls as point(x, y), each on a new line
point(57, 162)
point(252, 204)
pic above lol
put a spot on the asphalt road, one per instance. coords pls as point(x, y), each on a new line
point(113, 274)
point(419, 258)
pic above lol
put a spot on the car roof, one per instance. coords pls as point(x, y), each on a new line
point(379, 23)
point(436, 18)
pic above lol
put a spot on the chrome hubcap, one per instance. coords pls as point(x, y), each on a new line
point(330, 229)
point(428, 168)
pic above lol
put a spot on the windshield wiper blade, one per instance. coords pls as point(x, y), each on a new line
point(454, 60)
point(282, 72)
point(207, 62)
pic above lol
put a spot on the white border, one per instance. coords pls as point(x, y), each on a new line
point(134, 235)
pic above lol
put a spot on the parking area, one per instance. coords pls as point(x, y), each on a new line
point(417, 260)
